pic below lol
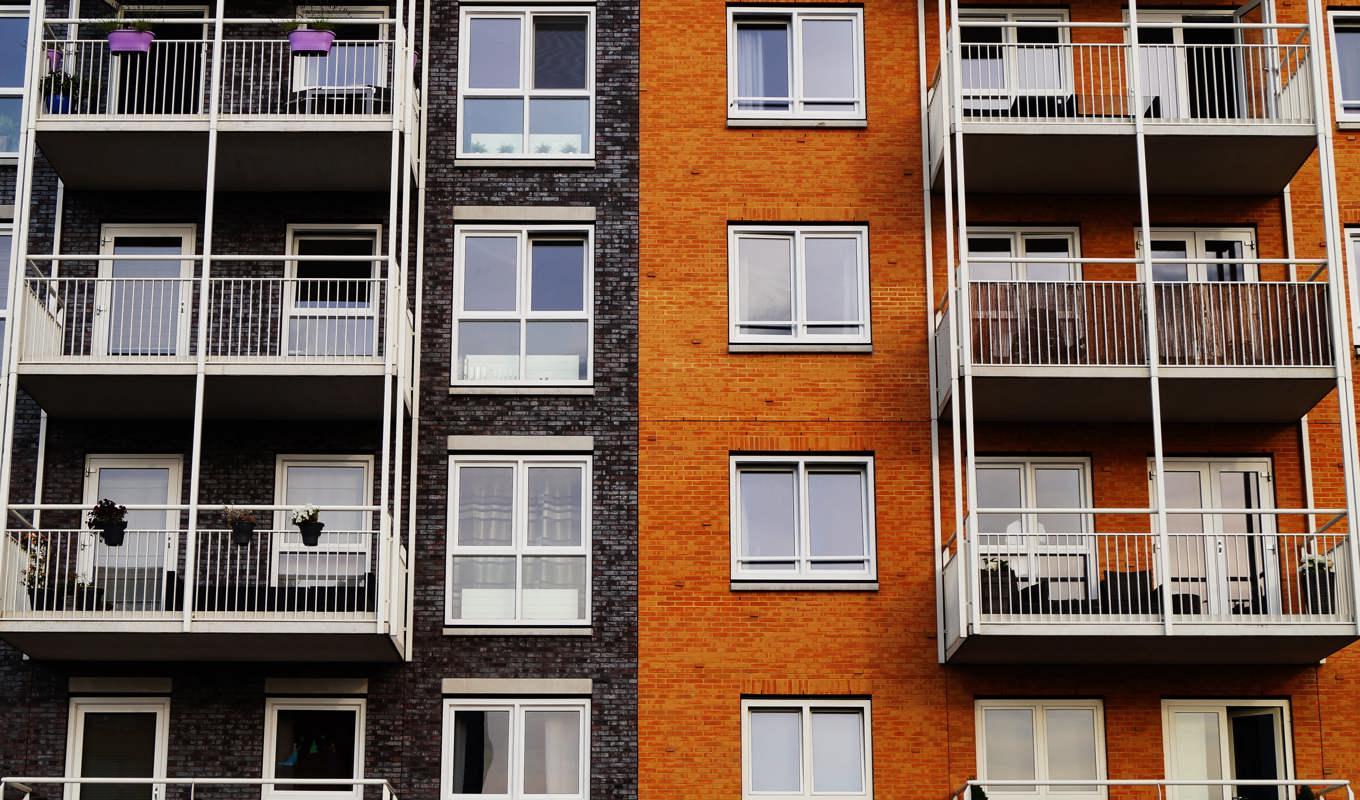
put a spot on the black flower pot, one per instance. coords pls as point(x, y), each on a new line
point(311, 532)
point(241, 533)
point(1318, 586)
point(112, 532)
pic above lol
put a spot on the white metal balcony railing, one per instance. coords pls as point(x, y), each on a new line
point(1102, 323)
point(259, 78)
point(249, 320)
point(1241, 571)
point(71, 574)
point(1082, 72)
point(1157, 788)
point(54, 788)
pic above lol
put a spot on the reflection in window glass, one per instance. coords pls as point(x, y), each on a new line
point(792, 285)
point(313, 744)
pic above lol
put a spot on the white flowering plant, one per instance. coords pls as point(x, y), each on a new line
point(995, 564)
point(1316, 561)
point(305, 514)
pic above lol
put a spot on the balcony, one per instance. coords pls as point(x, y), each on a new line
point(1231, 788)
point(296, 122)
point(1077, 350)
point(1220, 118)
point(282, 347)
point(175, 595)
point(1222, 586)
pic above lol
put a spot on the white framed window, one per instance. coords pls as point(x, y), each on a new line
point(330, 308)
point(1041, 740)
point(802, 63)
point(798, 285)
point(526, 82)
point(352, 77)
point(1345, 30)
point(523, 305)
point(1009, 70)
point(1353, 278)
point(1185, 254)
point(516, 748)
point(1228, 740)
point(1021, 243)
point(126, 737)
point(13, 59)
point(347, 547)
point(803, 517)
point(314, 738)
point(519, 541)
point(795, 748)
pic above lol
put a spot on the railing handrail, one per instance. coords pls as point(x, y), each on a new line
point(195, 257)
point(383, 782)
point(992, 23)
point(209, 20)
point(185, 507)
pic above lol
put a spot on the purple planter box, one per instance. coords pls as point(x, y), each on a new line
point(310, 42)
point(54, 58)
point(129, 41)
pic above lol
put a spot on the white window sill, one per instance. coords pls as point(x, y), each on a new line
point(514, 630)
point(804, 586)
point(527, 163)
point(1352, 124)
point(810, 347)
point(783, 122)
point(583, 391)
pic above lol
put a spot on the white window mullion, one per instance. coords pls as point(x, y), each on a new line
point(801, 486)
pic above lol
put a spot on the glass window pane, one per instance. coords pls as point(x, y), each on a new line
point(836, 513)
point(555, 587)
point(1048, 247)
point(765, 280)
point(557, 351)
point(999, 487)
point(493, 54)
point(329, 485)
point(1058, 487)
point(838, 752)
point(552, 752)
point(1175, 249)
point(1348, 64)
point(1009, 744)
point(489, 279)
point(483, 588)
point(486, 497)
point(481, 752)
point(763, 66)
point(1071, 744)
point(118, 745)
point(488, 351)
point(560, 53)
point(6, 242)
point(768, 515)
point(493, 125)
point(558, 275)
point(13, 51)
point(776, 751)
point(559, 125)
point(828, 59)
point(833, 282)
point(555, 505)
point(314, 744)
point(989, 247)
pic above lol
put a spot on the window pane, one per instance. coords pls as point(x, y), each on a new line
point(13, 51)
point(768, 517)
point(314, 744)
point(1071, 745)
point(555, 587)
point(836, 514)
point(989, 247)
point(837, 752)
point(1048, 247)
point(493, 125)
point(483, 588)
point(6, 242)
point(765, 283)
point(833, 284)
point(763, 65)
point(481, 752)
point(552, 752)
point(559, 275)
point(489, 273)
point(1348, 64)
point(999, 487)
point(488, 351)
point(1058, 487)
point(557, 351)
point(486, 497)
point(118, 745)
point(560, 53)
point(828, 62)
point(329, 486)
point(776, 751)
point(555, 505)
point(1009, 743)
point(560, 125)
point(493, 55)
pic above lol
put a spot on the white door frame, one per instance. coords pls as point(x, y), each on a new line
point(283, 526)
point(174, 464)
point(75, 733)
point(108, 236)
point(1195, 239)
point(1283, 742)
point(330, 231)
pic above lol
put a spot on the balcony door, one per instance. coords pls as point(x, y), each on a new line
point(1201, 320)
point(1025, 312)
point(1222, 564)
point(1183, 247)
point(1010, 70)
point(170, 79)
point(142, 305)
point(331, 307)
point(1233, 740)
point(117, 737)
point(132, 577)
point(1190, 73)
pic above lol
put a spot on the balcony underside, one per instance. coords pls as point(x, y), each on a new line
point(252, 155)
point(1147, 644)
point(1102, 159)
point(1254, 394)
point(224, 641)
point(230, 392)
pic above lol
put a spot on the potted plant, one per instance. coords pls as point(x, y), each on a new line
point(34, 575)
point(308, 521)
point(1317, 582)
point(312, 38)
point(242, 524)
point(110, 519)
point(60, 91)
point(998, 589)
point(130, 36)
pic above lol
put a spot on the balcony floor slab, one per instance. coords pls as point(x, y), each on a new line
point(1148, 644)
point(166, 641)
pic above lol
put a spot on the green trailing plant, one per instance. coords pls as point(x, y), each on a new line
point(57, 82)
point(126, 24)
